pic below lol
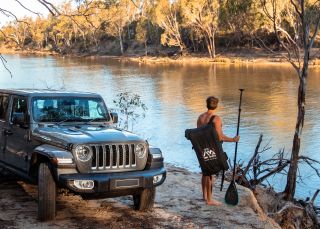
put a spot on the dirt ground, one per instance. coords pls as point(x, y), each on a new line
point(178, 205)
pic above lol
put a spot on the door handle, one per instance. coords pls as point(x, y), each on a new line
point(7, 132)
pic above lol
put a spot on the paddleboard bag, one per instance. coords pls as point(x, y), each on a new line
point(208, 148)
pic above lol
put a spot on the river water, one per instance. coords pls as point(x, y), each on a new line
point(175, 95)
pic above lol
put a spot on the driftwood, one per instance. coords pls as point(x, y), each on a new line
point(257, 170)
point(288, 214)
point(242, 178)
point(311, 210)
point(298, 214)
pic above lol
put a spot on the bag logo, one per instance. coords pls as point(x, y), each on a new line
point(209, 154)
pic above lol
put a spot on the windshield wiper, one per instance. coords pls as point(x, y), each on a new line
point(69, 119)
point(96, 119)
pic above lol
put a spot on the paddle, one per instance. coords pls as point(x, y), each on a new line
point(231, 196)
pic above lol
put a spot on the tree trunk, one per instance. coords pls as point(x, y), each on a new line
point(292, 173)
point(145, 48)
point(45, 40)
point(206, 38)
point(121, 42)
point(181, 48)
point(209, 38)
point(213, 47)
point(55, 42)
point(193, 43)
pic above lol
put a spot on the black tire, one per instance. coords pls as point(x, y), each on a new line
point(46, 194)
point(145, 200)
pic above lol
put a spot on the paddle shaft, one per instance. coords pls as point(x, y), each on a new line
point(238, 126)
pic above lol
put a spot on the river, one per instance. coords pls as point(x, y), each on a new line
point(175, 95)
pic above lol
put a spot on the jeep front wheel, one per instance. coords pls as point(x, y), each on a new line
point(46, 193)
point(145, 200)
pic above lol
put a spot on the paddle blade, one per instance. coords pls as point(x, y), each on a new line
point(231, 196)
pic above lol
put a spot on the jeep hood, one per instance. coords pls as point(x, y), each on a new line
point(83, 134)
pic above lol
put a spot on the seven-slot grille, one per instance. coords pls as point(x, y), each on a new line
point(113, 157)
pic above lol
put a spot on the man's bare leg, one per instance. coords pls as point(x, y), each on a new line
point(204, 189)
point(210, 200)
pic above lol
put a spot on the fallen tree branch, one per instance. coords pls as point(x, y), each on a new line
point(311, 210)
point(315, 196)
point(256, 151)
point(4, 63)
point(272, 172)
point(310, 162)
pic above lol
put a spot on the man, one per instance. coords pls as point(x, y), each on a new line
point(207, 179)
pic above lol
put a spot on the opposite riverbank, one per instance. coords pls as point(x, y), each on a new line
point(234, 56)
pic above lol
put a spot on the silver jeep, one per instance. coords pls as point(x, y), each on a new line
point(60, 139)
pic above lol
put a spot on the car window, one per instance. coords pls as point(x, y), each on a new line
point(3, 106)
point(19, 107)
point(56, 109)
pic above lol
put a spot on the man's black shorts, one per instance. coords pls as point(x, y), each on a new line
point(210, 174)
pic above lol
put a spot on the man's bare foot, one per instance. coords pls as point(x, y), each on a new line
point(214, 203)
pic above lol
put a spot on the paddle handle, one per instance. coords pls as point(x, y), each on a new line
point(238, 127)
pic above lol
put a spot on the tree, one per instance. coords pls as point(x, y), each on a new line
point(38, 32)
point(166, 15)
point(16, 33)
point(142, 33)
point(91, 17)
point(296, 39)
point(147, 30)
point(202, 15)
point(131, 106)
point(240, 18)
point(119, 14)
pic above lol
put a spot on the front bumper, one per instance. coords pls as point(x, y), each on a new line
point(114, 183)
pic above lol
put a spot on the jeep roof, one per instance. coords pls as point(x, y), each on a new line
point(47, 92)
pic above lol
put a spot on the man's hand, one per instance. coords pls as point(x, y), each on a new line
point(236, 138)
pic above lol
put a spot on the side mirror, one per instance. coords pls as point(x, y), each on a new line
point(114, 117)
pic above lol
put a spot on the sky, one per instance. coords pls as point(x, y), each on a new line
point(19, 11)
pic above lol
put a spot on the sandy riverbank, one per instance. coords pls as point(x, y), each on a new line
point(178, 205)
point(237, 56)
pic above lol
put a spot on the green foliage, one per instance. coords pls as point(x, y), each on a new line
point(167, 16)
point(131, 107)
point(190, 25)
point(142, 31)
point(240, 16)
point(202, 16)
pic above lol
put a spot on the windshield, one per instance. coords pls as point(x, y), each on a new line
point(64, 109)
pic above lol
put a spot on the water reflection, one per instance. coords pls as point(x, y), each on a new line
point(175, 96)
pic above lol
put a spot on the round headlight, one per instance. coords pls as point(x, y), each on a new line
point(140, 151)
point(83, 153)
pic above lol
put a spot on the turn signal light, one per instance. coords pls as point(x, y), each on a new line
point(157, 178)
point(83, 184)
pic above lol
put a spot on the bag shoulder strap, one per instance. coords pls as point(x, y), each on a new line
point(222, 180)
point(211, 119)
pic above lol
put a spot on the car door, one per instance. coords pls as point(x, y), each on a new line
point(4, 100)
point(17, 133)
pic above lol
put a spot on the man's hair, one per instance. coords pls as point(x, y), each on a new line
point(212, 103)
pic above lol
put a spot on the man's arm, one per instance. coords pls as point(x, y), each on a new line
point(218, 125)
